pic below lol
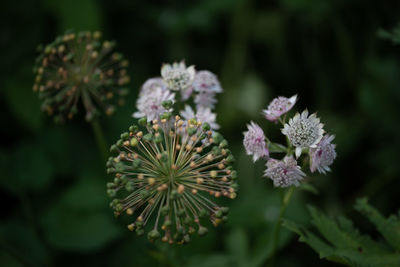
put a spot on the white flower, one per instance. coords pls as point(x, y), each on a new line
point(206, 81)
point(150, 104)
point(152, 85)
point(278, 107)
point(205, 100)
point(177, 76)
point(203, 115)
point(323, 155)
point(284, 173)
point(254, 142)
point(303, 131)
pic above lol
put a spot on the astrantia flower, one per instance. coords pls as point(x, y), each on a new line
point(206, 81)
point(202, 114)
point(177, 76)
point(323, 155)
point(278, 107)
point(152, 85)
point(304, 131)
point(254, 142)
point(167, 176)
point(80, 69)
point(205, 100)
point(206, 85)
point(150, 105)
point(284, 173)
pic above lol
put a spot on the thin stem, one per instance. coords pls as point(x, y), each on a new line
point(285, 199)
point(100, 139)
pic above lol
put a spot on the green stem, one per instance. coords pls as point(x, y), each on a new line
point(100, 139)
point(285, 199)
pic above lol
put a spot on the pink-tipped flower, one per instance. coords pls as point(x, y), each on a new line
point(278, 107)
point(254, 142)
point(323, 155)
point(152, 85)
point(284, 173)
point(206, 81)
point(150, 104)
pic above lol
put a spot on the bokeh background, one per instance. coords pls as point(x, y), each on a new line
point(54, 210)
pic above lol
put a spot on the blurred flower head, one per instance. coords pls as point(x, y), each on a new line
point(284, 173)
point(206, 85)
point(152, 99)
point(278, 107)
point(323, 155)
point(80, 69)
point(303, 131)
point(177, 76)
point(254, 142)
point(168, 175)
point(202, 114)
point(152, 85)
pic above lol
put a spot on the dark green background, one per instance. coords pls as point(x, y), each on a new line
point(54, 210)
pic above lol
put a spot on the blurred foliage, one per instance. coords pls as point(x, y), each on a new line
point(346, 244)
point(52, 177)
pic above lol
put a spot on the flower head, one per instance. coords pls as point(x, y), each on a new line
point(168, 176)
point(206, 82)
point(278, 107)
point(284, 173)
point(80, 69)
point(150, 102)
point(177, 76)
point(152, 85)
point(205, 100)
point(323, 155)
point(254, 142)
point(304, 131)
point(202, 114)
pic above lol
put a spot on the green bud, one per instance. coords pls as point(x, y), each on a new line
point(164, 157)
point(218, 138)
point(136, 163)
point(202, 231)
point(166, 115)
point(224, 210)
point(203, 213)
point(148, 137)
point(206, 126)
point(191, 131)
point(223, 144)
point(167, 104)
point(119, 143)
point(110, 185)
point(139, 231)
point(133, 128)
point(111, 192)
point(164, 210)
point(234, 174)
point(218, 214)
point(143, 121)
point(158, 139)
point(125, 135)
point(114, 148)
point(129, 186)
point(230, 159)
point(134, 142)
point(153, 235)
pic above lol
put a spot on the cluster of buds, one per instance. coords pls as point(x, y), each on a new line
point(305, 136)
point(167, 173)
point(200, 86)
point(80, 69)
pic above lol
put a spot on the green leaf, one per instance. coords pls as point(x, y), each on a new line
point(73, 230)
point(388, 227)
point(21, 241)
point(33, 169)
point(309, 188)
point(339, 241)
point(277, 148)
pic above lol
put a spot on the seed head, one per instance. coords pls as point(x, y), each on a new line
point(80, 69)
point(169, 177)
